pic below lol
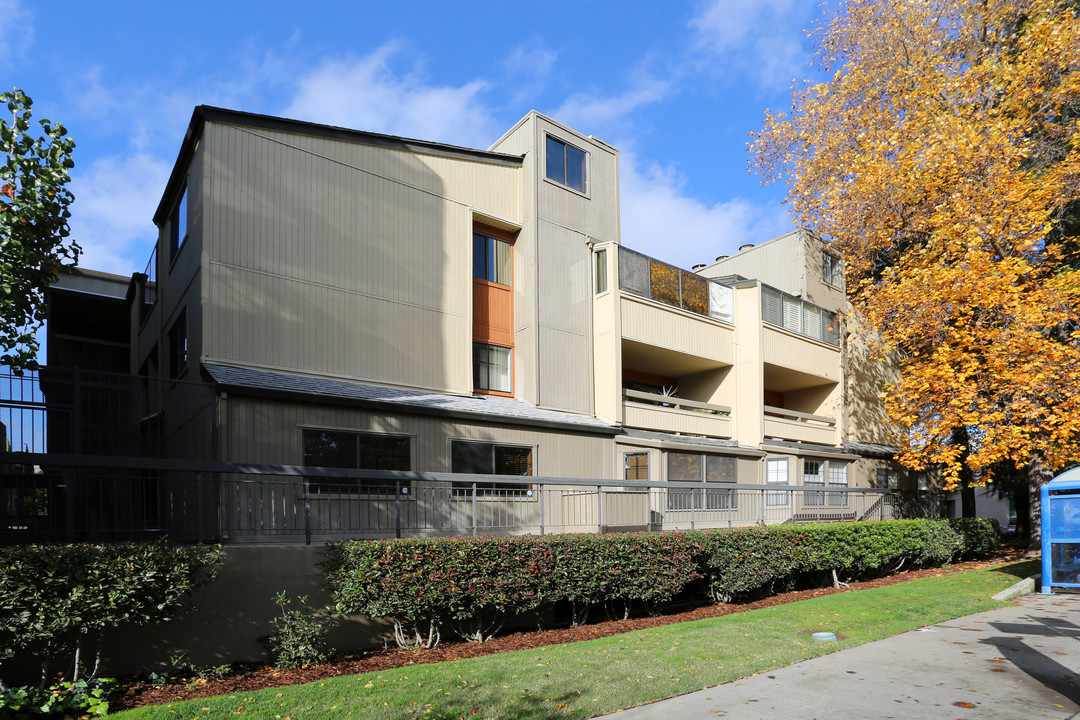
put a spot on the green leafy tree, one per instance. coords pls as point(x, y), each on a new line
point(34, 214)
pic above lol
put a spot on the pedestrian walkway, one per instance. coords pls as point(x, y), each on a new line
point(1016, 662)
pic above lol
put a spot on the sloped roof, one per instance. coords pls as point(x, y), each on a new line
point(481, 407)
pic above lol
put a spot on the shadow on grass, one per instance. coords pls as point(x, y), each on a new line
point(1020, 570)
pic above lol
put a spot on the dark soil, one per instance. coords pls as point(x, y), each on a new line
point(247, 677)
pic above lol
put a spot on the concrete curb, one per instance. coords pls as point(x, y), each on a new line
point(1025, 586)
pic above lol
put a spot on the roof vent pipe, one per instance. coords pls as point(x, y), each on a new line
point(747, 246)
point(721, 257)
point(699, 266)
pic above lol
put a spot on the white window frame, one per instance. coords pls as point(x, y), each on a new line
point(777, 472)
point(832, 270)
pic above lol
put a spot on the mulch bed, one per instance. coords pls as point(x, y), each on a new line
point(247, 677)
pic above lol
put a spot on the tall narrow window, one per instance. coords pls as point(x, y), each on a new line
point(601, 271)
point(813, 478)
point(838, 477)
point(493, 309)
point(776, 473)
point(178, 225)
point(831, 271)
point(565, 164)
point(491, 259)
point(178, 345)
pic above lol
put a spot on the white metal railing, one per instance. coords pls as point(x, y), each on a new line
point(800, 416)
point(676, 403)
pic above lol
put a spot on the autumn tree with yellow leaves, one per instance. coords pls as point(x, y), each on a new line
point(943, 160)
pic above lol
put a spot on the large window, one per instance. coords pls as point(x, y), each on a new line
point(565, 164)
point(710, 470)
point(356, 451)
point(776, 473)
point(490, 459)
point(831, 271)
point(178, 345)
point(491, 367)
point(491, 259)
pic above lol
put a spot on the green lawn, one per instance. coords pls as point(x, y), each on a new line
point(584, 679)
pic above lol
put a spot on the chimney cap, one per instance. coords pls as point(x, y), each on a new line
point(721, 257)
point(699, 266)
point(745, 246)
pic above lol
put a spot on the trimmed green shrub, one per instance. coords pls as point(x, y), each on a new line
point(748, 559)
point(979, 535)
point(470, 584)
point(54, 597)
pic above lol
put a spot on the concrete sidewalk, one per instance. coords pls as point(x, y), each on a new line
point(1015, 662)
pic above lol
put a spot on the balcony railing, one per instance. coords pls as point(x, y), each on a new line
point(653, 411)
point(643, 275)
point(799, 426)
point(798, 316)
point(99, 498)
point(676, 403)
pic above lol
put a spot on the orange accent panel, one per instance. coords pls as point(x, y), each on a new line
point(493, 313)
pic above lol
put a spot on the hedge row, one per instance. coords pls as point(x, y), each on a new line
point(426, 585)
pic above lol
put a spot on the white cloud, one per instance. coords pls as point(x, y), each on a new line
point(528, 68)
point(761, 38)
point(661, 220)
point(112, 216)
point(16, 32)
point(368, 94)
point(601, 114)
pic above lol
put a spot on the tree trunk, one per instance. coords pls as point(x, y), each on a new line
point(967, 501)
point(1038, 475)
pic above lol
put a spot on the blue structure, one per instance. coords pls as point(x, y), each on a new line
point(1061, 532)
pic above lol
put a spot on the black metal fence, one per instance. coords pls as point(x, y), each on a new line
point(79, 498)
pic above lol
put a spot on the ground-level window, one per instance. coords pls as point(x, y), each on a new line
point(813, 478)
point(357, 451)
point(776, 473)
point(490, 459)
point(838, 477)
point(887, 478)
point(491, 367)
point(712, 471)
point(636, 466)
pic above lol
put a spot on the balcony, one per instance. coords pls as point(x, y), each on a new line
point(798, 316)
point(799, 426)
point(667, 284)
point(664, 413)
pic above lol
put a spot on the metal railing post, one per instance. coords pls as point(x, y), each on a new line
point(397, 508)
point(764, 499)
point(474, 509)
point(648, 509)
point(599, 509)
point(693, 494)
point(542, 490)
point(307, 511)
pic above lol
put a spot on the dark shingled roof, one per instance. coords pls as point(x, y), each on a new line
point(481, 407)
point(688, 440)
point(807, 448)
point(871, 450)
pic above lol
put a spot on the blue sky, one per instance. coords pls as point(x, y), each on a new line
point(676, 87)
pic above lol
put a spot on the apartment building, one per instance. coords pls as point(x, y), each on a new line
point(374, 302)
